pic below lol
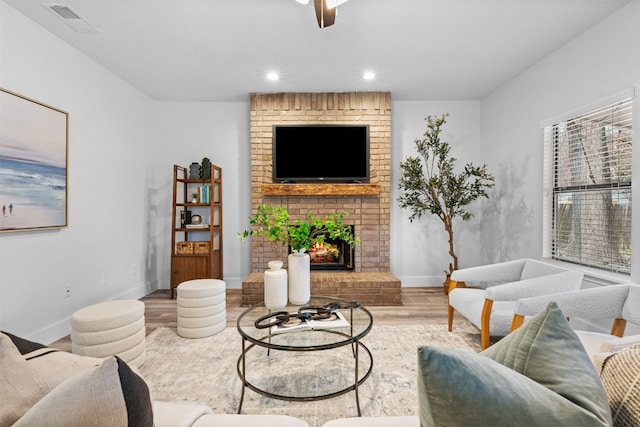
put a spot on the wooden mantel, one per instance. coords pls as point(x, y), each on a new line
point(329, 189)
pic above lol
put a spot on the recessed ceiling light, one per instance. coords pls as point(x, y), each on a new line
point(368, 75)
point(273, 76)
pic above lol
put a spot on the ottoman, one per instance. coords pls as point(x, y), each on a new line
point(110, 328)
point(202, 309)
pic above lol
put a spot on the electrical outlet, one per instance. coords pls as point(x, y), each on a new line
point(134, 271)
point(67, 290)
point(103, 279)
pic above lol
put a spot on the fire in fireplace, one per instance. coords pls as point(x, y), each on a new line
point(332, 254)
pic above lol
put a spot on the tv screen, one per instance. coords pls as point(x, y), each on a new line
point(320, 153)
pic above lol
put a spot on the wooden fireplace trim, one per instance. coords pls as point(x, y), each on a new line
point(333, 189)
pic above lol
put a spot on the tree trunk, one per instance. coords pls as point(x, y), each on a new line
point(448, 226)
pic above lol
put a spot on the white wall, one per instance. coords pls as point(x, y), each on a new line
point(601, 62)
point(420, 249)
point(187, 132)
point(110, 137)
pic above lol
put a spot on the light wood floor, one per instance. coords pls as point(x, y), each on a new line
point(419, 306)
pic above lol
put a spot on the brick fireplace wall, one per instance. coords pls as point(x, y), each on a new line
point(369, 211)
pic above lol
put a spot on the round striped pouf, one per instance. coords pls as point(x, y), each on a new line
point(110, 328)
point(202, 309)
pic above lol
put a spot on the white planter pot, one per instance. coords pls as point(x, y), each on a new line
point(275, 286)
point(299, 278)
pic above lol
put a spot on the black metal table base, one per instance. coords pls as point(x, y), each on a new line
point(356, 345)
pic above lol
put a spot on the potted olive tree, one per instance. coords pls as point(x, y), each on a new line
point(430, 184)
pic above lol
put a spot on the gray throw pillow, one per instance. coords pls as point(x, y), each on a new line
point(541, 376)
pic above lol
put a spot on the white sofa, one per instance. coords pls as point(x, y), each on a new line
point(398, 421)
point(46, 386)
point(172, 414)
point(19, 365)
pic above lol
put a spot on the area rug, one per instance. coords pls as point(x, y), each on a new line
point(205, 371)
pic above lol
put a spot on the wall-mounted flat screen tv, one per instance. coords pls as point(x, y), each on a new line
point(337, 153)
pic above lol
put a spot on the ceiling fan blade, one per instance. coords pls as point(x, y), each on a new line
point(326, 16)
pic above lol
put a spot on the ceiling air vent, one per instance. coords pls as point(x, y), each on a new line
point(72, 18)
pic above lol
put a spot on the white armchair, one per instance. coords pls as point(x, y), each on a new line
point(490, 303)
point(619, 303)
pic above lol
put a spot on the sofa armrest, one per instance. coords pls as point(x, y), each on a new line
point(174, 414)
point(235, 420)
point(616, 344)
point(392, 421)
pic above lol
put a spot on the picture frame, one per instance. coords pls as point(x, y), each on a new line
point(34, 140)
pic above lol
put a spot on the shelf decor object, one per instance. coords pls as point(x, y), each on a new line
point(275, 286)
point(194, 170)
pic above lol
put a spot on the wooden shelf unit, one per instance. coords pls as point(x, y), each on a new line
point(196, 264)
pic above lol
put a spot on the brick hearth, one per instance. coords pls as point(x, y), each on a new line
point(368, 288)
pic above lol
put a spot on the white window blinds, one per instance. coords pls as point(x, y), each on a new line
point(589, 174)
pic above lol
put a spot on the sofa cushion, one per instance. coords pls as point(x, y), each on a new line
point(621, 379)
point(110, 394)
point(52, 365)
point(33, 370)
point(388, 421)
point(235, 420)
point(538, 375)
point(22, 345)
point(21, 387)
point(178, 414)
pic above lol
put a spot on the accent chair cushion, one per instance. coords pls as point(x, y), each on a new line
point(539, 375)
point(621, 378)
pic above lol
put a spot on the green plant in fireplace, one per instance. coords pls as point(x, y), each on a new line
point(274, 223)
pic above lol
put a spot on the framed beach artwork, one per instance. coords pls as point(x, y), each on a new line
point(33, 164)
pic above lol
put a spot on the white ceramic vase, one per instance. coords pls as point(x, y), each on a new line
point(275, 286)
point(299, 277)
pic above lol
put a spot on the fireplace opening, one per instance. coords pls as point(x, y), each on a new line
point(332, 254)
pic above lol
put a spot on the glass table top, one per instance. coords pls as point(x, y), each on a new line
point(283, 329)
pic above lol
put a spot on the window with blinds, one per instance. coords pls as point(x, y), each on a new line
point(589, 169)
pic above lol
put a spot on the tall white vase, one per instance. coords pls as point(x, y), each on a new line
point(275, 286)
point(299, 277)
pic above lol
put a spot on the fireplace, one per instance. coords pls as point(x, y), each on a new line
point(332, 254)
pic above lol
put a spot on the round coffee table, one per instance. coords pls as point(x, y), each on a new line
point(326, 343)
